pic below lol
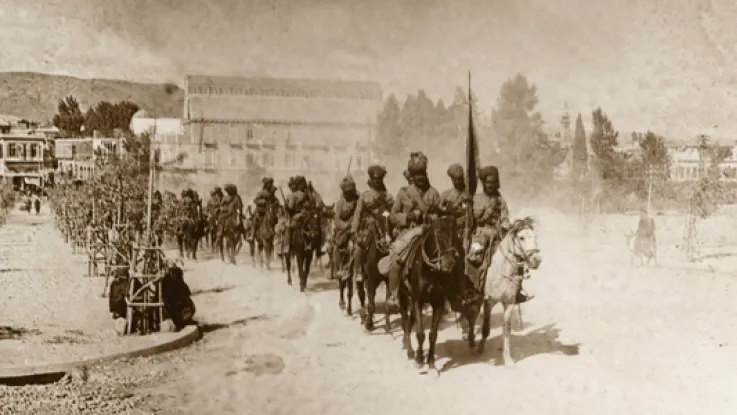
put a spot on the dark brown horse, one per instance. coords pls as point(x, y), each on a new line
point(434, 263)
point(304, 241)
point(191, 226)
point(230, 236)
point(263, 236)
point(376, 247)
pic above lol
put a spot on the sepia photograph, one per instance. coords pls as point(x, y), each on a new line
point(329, 207)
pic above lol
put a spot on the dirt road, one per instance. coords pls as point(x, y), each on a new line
point(601, 337)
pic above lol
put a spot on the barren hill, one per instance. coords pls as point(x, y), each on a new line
point(35, 96)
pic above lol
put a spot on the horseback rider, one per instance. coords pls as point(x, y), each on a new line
point(266, 202)
point(491, 215)
point(453, 200)
point(409, 213)
point(317, 203)
point(373, 201)
point(295, 206)
point(231, 207)
point(345, 207)
point(213, 206)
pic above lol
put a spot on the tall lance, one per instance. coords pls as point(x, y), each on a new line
point(472, 165)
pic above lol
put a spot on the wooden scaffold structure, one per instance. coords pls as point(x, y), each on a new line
point(147, 269)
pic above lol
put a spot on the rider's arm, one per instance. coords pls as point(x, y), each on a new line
point(398, 217)
point(356, 215)
point(503, 213)
point(340, 208)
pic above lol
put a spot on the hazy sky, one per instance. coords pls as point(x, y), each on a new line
point(668, 66)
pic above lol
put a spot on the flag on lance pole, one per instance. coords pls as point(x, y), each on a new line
point(472, 166)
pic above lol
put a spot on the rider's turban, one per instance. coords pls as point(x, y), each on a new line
point(377, 172)
point(347, 184)
point(268, 181)
point(489, 173)
point(299, 181)
point(417, 163)
point(455, 171)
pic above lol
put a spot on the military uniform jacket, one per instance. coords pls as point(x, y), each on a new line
point(408, 202)
point(370, 203)
point(295, 203)
point(490, 211)
point(344, 210)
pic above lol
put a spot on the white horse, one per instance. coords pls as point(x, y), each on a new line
point(517, 253)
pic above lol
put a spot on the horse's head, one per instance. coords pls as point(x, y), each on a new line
point(524, 242)
point(382, 229)
point(442, 242)
point(311, 223)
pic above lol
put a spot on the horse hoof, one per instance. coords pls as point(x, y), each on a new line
point(349, 312)
point(341, 305)
point(410, 354)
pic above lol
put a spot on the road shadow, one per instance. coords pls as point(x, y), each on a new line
point(212, 327)
point(395, 320)
point(543, 340)
point(215, 290)
point(14, 333)
point(322, 285)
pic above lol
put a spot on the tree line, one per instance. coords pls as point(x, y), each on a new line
point(105, 117)
point(527, 155)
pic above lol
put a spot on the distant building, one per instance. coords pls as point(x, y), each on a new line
point(22, 159)
point(75, 157)
point(237, 128)
point(685, 162)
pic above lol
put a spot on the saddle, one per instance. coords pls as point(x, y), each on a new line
point(405, 258)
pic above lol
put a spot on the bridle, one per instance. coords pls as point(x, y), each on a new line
point(434, 263)
point(519, 256)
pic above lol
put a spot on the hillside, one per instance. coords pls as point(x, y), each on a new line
point(35, 95)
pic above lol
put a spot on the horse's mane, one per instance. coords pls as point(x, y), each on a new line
point(527, 222)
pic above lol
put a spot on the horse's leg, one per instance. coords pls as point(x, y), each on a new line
point(288, 263)
point(419, 332)
point(438, 307)
point(361, 289)
point(341, 289)
point(371, 285)
point(485, 325)
point(301, 271)
point(180, 243)
point(269, 253)
point(349, 285)
point(407, 323)
point(221, 243)
point(507, 332)
point(231, 249)
point(387, 314)
point(472, 314)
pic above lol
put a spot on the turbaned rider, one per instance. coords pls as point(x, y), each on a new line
point(491, 215)
point(345, 207)
point(295, 205)
point(372, 202)
point(409, 213)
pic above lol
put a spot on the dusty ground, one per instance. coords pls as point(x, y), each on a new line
point(601, 337)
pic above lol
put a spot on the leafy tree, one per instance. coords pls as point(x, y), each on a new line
point(603, 141)
point(526, 153)
point(389, 129)
point(708, 192)
point(107, 117)
point(579, 149)
point(69, 118)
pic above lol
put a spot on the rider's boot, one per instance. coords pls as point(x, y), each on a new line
point(358, 264)
point(395, 271)
point(523, 296)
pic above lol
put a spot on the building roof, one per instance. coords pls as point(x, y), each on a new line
point(289, 110)
point(321, 85)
